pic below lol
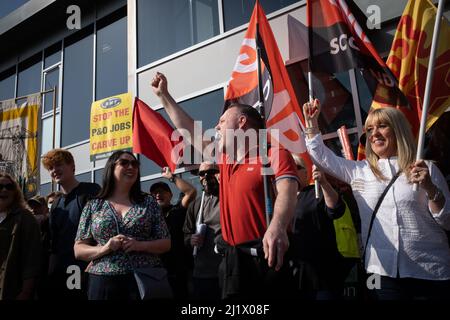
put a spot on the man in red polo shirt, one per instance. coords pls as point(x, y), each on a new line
point(248, 241)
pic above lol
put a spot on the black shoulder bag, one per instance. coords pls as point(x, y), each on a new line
point(374, 213)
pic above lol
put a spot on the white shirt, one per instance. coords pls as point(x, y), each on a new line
point(406, 236)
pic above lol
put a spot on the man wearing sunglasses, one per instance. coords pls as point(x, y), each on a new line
point(178, 260)
point(201, 229)
point(65, 215)
point(251, 245)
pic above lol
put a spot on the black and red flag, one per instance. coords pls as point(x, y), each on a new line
point(338, 42)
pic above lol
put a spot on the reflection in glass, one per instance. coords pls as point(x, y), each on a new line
point(111, 77)
point(45, 189)
point(98, 176)
point(168, 26)
point(47, 133)
point(51, 79)
point(83, 177)
point(29, 78)
point(238, 12)
point(52, 55)
point(7, 84)
point(77, 91)
point(333, 91)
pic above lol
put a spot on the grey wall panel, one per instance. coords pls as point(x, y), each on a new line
point(208, 66)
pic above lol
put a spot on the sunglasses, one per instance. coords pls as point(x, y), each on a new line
point(8, 186)
point(209, 172)
point(300, 167)
point(125, 163)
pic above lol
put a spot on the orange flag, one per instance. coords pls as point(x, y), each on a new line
point(282, 111)
point(409, 57)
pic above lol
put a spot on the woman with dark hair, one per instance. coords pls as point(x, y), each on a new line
point(405, 246)
point(20, 243)
point(122, 229)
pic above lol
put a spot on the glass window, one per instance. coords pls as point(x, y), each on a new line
point(98, 176)
point(29, 78)
point(83, 177)
point(238, 12)
point(111, 76)
point(77, 90)
point(47, 133)
point(7, 84)
point(45, 189)
point(333, 91)
point(52, 55)
point(51, 79)
point(168, 26)
point(9, 6)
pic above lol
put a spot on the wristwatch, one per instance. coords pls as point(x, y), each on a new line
point(437, 195)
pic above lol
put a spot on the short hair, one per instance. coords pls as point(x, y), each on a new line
point(160, 185)
point(254, 119)
point(57, 156)
point(406, 144)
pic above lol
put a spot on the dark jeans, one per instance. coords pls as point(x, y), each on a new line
point(410, 288)
point(206, 288)
point(120, 287)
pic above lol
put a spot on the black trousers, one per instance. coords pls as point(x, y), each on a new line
point(255, 280)
point(117, 287)
point(206, 288)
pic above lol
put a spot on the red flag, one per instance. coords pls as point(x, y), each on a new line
point(282, 111)
point(152, 136)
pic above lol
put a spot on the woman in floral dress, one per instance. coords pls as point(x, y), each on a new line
point(122, 229)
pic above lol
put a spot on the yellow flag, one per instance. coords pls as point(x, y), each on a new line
point(409, 57)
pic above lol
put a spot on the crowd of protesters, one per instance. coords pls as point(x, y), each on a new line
point(218, 244)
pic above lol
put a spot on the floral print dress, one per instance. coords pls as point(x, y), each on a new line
point(143, 222)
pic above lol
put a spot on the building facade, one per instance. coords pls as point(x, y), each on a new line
point(119, 45)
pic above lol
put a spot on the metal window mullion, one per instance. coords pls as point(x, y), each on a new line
point(355, 97)
point(16, 79)
point(221, 17)
point(94, 63)
point(60, 94)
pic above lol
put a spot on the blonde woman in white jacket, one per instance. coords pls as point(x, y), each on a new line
point(407, 246)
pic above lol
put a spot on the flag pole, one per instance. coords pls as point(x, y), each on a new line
point(263, 138)
point(310, 90)
point(310, 84)
point(428, 84)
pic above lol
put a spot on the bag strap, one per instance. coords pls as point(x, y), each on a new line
point(374, 213)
